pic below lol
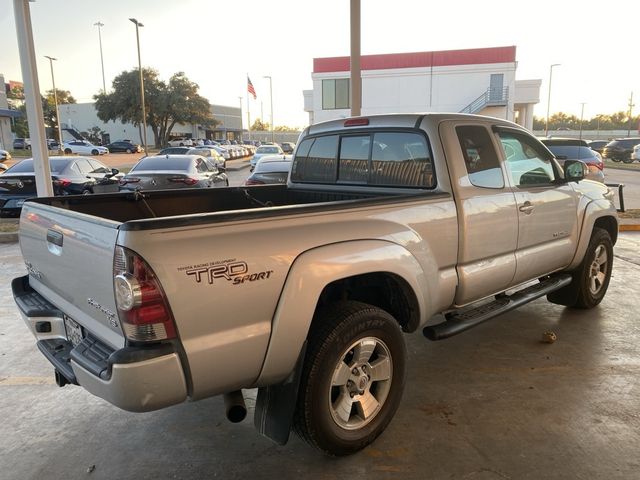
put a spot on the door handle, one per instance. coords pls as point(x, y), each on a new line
point(526, 208)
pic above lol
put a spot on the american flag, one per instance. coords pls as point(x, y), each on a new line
point(250, 88)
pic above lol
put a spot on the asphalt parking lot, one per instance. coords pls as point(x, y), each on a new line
point(493, 403)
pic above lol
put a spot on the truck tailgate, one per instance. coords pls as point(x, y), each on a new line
point(69, 257)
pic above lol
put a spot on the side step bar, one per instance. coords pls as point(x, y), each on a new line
point(466, 318)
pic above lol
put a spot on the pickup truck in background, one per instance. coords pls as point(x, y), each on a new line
point(388, 224)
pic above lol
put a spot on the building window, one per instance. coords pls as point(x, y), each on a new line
point(335, 94)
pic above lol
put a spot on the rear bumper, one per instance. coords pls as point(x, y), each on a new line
point(137, 379)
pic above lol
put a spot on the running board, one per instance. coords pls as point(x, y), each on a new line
point(460, 320)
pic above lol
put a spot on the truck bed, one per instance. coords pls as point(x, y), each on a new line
point(164, 208)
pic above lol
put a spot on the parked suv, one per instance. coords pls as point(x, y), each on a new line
point(21, 144)
point(620, 149)
point(573, 149)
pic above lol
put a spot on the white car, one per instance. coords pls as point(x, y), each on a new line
point(4, 155)
point(181, 142)
point(83, 147)
point(263, 150)
point(635, 155)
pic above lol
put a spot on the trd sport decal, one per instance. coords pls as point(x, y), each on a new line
point(232, 270)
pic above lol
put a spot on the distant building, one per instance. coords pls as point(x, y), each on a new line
point(83, 116)
point(481, 81)
point(6, 136)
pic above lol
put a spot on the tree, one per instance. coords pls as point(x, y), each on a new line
point(49, 108)
point(166, 104)
point(260, 126)
point(94, 135)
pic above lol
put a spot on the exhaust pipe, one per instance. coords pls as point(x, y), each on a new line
point(234, 406)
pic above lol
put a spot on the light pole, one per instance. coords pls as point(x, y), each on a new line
point(241, 131)
point(144, 114)
point(271, 99)
point(546, 124)
point(55, 99)
point(104, 84)
point(581, 117)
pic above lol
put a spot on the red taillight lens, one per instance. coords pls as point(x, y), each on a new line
point(185, 180)
point(142, 306)
point(124, 180)
point(61, 182)
point(250, 181)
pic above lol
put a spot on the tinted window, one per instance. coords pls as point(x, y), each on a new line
point(268, 150)
point(84, 166)
point(98, 167)
point(26, 166)
point(400, 159)
point(354, 159)
point(163, 163)
point(480, 157)
point(526, 162)
point(320, 164)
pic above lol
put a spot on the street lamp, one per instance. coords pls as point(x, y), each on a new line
point(271, 99)
point(144, 114)
point(581, 118)
point(546, 124)
point(55, 99)
point(104, 84)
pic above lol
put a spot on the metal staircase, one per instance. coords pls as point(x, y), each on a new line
point(492, 97)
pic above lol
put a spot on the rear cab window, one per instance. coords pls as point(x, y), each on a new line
point(376, 158)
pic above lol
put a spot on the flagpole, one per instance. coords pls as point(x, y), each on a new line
point(248, 113)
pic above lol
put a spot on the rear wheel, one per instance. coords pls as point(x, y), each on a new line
point(352, 379)
point(67, 151)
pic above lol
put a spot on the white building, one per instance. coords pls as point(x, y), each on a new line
point(481, 81)
point(83, 116)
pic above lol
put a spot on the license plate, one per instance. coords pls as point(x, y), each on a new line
point(74, 331)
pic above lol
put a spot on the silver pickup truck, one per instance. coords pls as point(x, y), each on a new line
point(387, 224)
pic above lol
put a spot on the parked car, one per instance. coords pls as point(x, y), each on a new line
point(287, 147)
point(598, 145)
point(174, 151)
point(83, 147)
point(210, 154)
point(21, 144)
point(270, 169)
point(70, 175)
point(263, 150)
point(620, 149)
point(635, 155)
point(126, 147)
point(222, 151)
point(4, 155)
point(573, 149)
point(52, 144)
point(180, 142)
point(161, 172)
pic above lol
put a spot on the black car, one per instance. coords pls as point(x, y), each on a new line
point(620, 149)
point(126, 147)
point(598, 145)
point(69, 175)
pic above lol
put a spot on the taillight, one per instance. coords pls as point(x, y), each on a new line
point(356, 122)
point(142, 305)
point(61, 182)
point(250, 181)
point(185, 180)
point(125, 180)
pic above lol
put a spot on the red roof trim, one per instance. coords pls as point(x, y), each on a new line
point(475, 56)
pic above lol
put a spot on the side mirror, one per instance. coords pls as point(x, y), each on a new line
point(574, 170)
point(222, 169)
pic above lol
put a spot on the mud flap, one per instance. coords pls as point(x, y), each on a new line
point(276, 404)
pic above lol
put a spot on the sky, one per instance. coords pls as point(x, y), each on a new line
point(217, 44)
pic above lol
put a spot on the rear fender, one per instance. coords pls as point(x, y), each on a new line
point(308, 276)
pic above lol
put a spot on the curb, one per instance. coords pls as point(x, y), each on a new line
point(630, 227)
point(8, 237)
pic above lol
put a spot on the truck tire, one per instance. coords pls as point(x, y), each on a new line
point(352, 379)
point(591, 278)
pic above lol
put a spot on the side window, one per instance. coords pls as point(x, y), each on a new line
point(320, 164)
point(97, 167)
point(201, 165)
point(526, 162)
point(83, 166)
point(354, 159)
point(480, 157)
point(400, 159)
